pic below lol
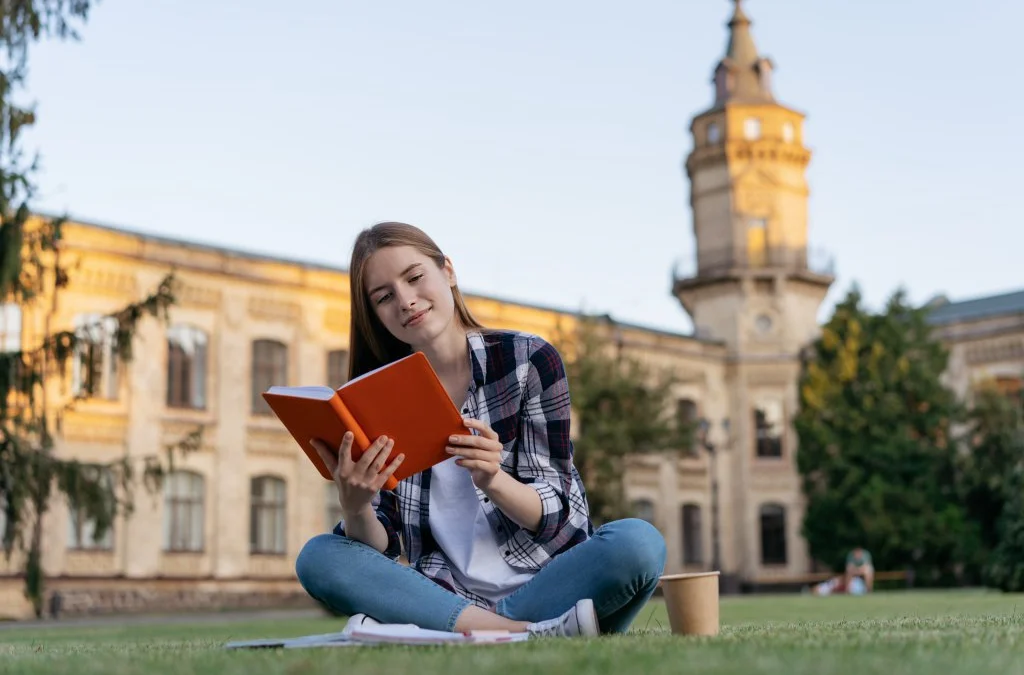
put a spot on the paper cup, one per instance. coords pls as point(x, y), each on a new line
point(692, 602)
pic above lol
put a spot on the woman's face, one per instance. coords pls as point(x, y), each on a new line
point(410, 294)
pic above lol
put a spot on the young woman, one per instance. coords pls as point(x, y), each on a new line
point(499, 536)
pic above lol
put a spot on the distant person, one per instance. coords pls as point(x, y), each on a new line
point(837, 586)
point(499, 536)
point(859, 565)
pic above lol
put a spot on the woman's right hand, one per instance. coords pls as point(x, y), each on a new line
point(358, 482)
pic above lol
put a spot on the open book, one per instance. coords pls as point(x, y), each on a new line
point(403, 400)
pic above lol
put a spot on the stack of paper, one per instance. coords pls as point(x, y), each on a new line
point(394, 633)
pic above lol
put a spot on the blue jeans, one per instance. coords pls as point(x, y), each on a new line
point(617, 568)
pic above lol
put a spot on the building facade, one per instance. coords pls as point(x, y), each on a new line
point(227, 525)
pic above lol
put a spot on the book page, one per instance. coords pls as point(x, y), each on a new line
point(319, 393)
point(401, 633)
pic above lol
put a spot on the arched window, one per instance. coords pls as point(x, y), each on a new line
point(773, 534)
point(269, 368)
point(644, 510)
point(686, 421)
point(94, 369)
point(752, 128)
point(184, 513)
point(10, 327)
point(186, 367)
point(768, 428)
point(82, 530)
point(337, 367)
point(693, 536)
point(267, 499)
point(714, 133)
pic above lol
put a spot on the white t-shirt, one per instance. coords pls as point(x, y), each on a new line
point(460, 528)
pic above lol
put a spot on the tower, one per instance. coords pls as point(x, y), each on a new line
point(755, 286)
point(757, 289)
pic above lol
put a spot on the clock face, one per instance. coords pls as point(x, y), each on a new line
point(763, 323)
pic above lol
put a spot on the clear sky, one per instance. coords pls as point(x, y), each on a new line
point(540, 143)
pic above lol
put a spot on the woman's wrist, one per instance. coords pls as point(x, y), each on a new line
point(364, 513)
point(518, 501)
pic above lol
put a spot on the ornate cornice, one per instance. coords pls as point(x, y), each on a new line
point(104, 281)
point(269, 442)
point(274, 310)
point(79, 426)
point(190, 295)
point(173, 432)
point(746, 151)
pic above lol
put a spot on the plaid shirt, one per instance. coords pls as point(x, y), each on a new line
point(519, 388)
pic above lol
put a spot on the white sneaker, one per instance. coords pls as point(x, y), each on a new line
point(358, 621)
point(580, 621)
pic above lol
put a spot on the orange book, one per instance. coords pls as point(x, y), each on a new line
point(403, 400)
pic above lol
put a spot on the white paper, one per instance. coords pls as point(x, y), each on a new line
point(394, 633)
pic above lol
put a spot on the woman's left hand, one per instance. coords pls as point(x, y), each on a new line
point(480, 454)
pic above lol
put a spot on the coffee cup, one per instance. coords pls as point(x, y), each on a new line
point(692, 602)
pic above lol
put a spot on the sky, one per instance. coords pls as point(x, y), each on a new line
point(540, 143)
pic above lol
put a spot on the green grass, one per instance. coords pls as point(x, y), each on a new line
point(891, 633)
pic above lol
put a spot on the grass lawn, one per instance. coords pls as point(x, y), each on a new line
point(892, 632)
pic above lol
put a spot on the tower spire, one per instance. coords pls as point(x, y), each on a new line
point(742, 75)
point(741, 43)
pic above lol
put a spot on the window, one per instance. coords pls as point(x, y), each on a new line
point(337, 367)
point(773, 534)
point(10, 327)
point(644, 510)
point(693, 551)
point(10, 341)
point(82, 530)
point(269, 368)
point(788, 132)
point(714, 133)
point(267, 515)
point(183, 511)
point(752, 128)
point(186, 368)
point(332, 505)
point(768, 428)
point(757, 241)
point(94, 366)
point(686, 421)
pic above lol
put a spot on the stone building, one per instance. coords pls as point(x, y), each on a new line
point(227, 527)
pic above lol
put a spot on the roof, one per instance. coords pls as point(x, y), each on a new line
point(746, 81)
point(944, 312)
point(251, 255)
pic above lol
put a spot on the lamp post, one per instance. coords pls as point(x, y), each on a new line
point(703, 427)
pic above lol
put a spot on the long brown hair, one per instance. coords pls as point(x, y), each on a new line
point(371, 345)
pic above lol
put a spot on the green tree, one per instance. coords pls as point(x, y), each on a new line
point(876, 457)
point(993, 454)
point(31, 276)
point(1005, 566)
point(621, 407)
